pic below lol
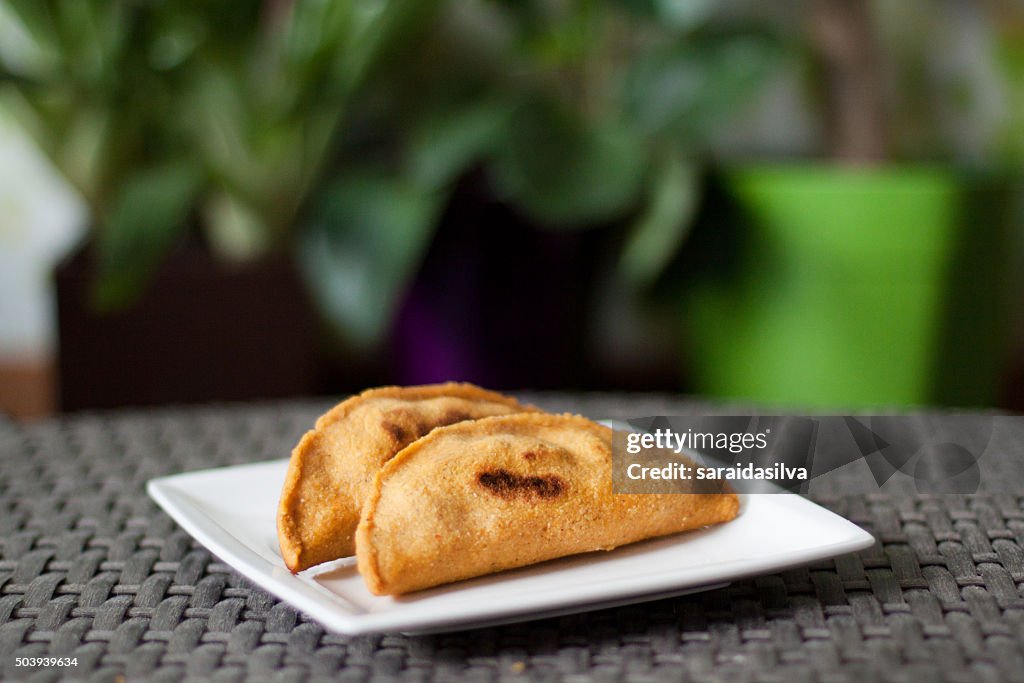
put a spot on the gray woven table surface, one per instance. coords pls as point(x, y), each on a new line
point(90, 568)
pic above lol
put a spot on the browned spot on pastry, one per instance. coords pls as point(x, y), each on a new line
point(404, 426)
point(505, 484)
point(396, 430)
point(529, 455)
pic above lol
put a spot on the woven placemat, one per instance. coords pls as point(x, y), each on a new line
point(91, 569)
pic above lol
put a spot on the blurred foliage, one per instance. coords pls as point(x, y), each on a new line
point(1008, 48)
point(339, 128)
point(952, 76)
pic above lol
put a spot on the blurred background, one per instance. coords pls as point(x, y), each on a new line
point(811, 203)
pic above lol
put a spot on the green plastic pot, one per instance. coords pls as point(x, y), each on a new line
point(856, 288)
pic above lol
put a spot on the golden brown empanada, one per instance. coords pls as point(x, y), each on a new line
point(332, 469)
point(508, 491)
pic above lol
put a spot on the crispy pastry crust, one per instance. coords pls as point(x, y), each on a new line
point(332, 468)
point(504, 492)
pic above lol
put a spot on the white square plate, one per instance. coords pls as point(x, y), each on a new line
point(232, 512)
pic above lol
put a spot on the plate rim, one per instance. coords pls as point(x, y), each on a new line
point(309, 597)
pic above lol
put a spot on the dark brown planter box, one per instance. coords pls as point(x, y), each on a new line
point(203, 331)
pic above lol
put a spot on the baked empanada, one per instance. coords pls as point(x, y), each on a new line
point(508, 491)
point(332, 469)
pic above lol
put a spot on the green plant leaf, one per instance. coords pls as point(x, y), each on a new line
point(216, 108)
point(445, 145)
point(149, 214)
point(565, 173)
point(1008, 56)
point(234, 230)
point(382, 31)
point(10, 78)
point(23, 110)
point(663, 226)
point(690, 88)
point(84, 147)
point(677, 14)
point(85, 40)
point(35, 18)
point(360, 247)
